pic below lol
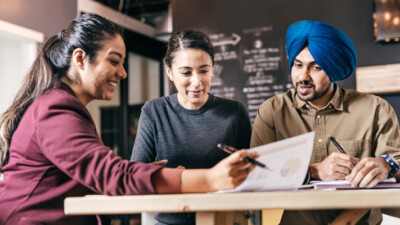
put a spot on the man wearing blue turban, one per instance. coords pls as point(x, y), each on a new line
point(365, 125)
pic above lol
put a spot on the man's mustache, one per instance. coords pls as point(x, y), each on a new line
point(304, 83)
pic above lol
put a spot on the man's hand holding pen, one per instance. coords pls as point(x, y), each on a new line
point(366, 173)
point(336, 166)
point(360, 173)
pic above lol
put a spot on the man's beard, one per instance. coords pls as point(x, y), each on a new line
point(314, 94)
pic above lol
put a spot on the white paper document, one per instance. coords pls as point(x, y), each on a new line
point(288, 160)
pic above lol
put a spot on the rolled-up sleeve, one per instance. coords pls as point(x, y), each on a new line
point(67, 136)
point(387, 135)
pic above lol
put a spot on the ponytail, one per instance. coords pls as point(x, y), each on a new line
point(51, 65)
point(36, 82)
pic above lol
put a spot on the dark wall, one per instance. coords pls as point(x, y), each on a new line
point(46, 16)
point(353, 17)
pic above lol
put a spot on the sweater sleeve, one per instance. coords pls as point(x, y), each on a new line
point(67, 137)
point(144, 148)
point(263, 126)
point(244, 129)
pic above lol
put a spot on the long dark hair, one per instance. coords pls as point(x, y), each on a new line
point(50, 67)
point(187, 39)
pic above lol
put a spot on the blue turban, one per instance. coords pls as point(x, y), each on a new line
point(329, 46)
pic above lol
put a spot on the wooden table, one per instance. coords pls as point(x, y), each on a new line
point(215, 208)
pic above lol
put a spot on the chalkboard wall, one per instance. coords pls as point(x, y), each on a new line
point(249, 41)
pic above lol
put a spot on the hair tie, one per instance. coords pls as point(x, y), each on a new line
point(61, 34)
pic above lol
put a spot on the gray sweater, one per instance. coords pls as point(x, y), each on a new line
point(189, 137)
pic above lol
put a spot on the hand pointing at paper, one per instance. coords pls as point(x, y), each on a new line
point(227, 174)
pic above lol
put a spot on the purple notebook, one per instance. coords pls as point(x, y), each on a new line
point(343, 184)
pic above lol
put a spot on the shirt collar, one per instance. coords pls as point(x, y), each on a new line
point(336, 100)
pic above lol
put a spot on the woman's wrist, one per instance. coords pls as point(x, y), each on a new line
point(195, 181)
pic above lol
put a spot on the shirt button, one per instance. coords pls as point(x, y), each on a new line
point(318, 116)
point(320, 140)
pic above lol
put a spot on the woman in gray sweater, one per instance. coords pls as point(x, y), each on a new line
point(186, 127)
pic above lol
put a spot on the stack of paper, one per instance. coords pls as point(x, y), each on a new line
point(288, 161)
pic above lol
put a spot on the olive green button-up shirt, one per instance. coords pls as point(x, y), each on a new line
point(364, 124)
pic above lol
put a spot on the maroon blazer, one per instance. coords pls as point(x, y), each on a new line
point(55, 153)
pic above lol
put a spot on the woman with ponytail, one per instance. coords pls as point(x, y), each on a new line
point(49, 147)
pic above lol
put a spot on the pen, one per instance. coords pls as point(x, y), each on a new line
point(336, 143)
point(229, 149)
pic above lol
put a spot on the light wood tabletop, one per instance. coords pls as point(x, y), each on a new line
point(206, 205)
